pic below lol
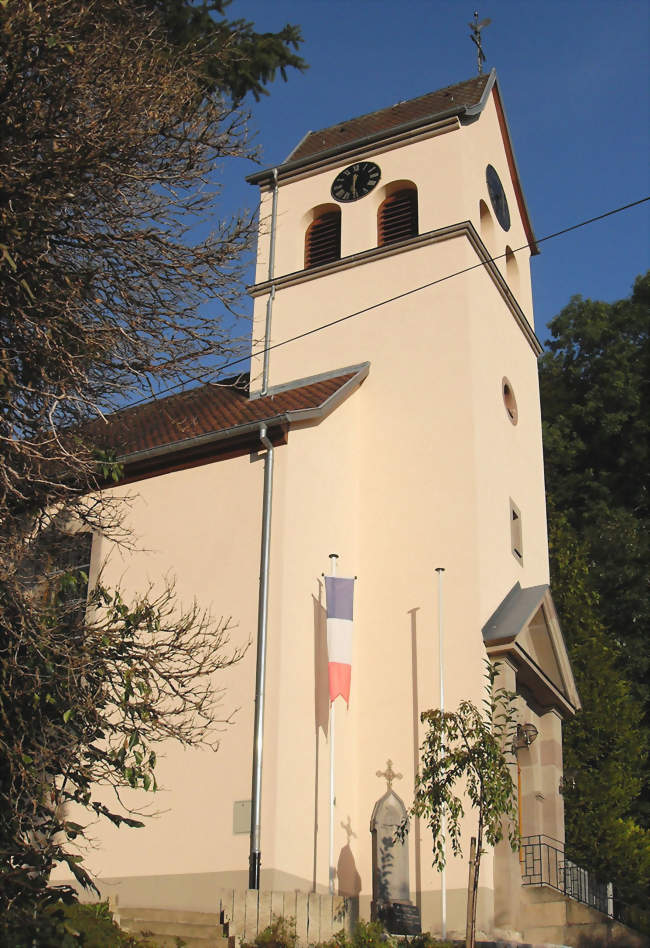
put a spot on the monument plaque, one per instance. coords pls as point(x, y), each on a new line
point(400, 918)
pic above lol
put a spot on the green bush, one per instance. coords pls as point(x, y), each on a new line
point(364, 935)
point(90, 926)
point(281, 933)
point(426, 940)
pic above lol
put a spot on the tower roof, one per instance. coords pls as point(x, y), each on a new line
point(463, 98)
point(452, 99)
point(358, 135)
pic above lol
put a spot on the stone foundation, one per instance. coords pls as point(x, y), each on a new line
point(552, 918)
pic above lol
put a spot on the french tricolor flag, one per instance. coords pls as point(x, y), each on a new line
point(340, 595)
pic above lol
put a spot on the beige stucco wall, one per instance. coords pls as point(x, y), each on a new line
point(415, 470)
point(187, 528)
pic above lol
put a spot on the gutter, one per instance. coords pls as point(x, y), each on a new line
point(255, 855)
point(213, 437)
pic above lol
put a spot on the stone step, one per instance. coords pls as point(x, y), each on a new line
point(171, 941)
point(165, 926)
point(175, 928)
point(170, 915)
point(551, 936)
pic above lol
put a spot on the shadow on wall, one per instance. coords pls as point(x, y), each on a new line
point(321, 680)
point(349, 879)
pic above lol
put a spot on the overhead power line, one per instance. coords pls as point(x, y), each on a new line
point(204, 375)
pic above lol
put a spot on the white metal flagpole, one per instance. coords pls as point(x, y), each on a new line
point(333, 558)
point(443, 886)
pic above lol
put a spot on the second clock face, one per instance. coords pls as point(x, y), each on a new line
point(355, 181)
point(497, 197)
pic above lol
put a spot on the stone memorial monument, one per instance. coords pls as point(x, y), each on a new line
point(391, 903)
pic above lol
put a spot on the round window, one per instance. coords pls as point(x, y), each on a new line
point(509, 400)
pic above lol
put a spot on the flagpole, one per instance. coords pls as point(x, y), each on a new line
point(443, 880)
point(333, 558)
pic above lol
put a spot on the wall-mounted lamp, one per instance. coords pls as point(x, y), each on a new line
point(524, 737)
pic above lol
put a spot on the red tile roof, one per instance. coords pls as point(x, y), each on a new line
point(423, 109)
point(206, 410)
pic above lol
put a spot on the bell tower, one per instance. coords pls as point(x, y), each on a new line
point(400, 240)
point(364, 212)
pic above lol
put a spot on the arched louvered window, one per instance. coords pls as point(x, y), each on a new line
point(398, 217)
point(323, 239)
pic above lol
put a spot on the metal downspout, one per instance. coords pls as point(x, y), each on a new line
point(269, 302)
point(254, 859)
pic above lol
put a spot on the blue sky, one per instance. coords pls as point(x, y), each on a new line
point(575, 84)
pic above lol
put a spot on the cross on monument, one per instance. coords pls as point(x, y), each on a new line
point(389, 774)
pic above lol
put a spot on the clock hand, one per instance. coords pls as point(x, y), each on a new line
point(354, 184)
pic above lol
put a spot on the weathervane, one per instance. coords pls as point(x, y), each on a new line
point(475, 37)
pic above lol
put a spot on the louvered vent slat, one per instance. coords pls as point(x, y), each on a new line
point(323, 240)
point(398, 217)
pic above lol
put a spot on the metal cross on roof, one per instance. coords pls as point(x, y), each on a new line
point(475, 37)
point(389, 774)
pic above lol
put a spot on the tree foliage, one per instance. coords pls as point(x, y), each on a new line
point(604, 747)
point(595, 402)
point(106, 162)
point(108, 148)
point(235, 57)
point(466, 752)
point(594, 387)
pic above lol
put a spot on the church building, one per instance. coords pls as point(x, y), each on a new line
point(392, 418)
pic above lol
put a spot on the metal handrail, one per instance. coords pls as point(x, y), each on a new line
point(544, 862)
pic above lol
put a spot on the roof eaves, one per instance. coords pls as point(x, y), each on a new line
point(509, 618)
point(281, 419)
point(334, 400)
point(513, 614)
point(521, 199)
point(296, 147)
point(480, 105)
point(568, 703)
point(210, 437)
point(361, 367)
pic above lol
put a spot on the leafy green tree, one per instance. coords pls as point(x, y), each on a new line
point(604, 747)
point(594, 387)
point(235, 57)
point(466, 751)
point(594, 383)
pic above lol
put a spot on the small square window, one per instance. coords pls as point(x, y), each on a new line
point(516, 535)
